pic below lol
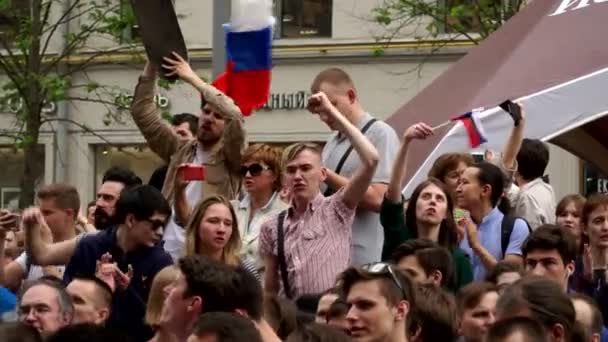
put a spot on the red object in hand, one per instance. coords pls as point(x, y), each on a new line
point(193, 172)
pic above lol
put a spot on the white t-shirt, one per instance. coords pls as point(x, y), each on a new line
point(175, 235)
point(35, 272)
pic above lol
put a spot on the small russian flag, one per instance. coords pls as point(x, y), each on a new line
point(472, 124)
point(248, 55)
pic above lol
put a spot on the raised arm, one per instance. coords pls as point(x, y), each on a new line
point(182, 209)
point(359, 183)
point(44, 253)
point(234, 133)
point(159, 136)
point(509, 153)
point(395, 186)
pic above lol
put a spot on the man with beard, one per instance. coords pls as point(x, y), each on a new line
point(218, 145)
point(114, 181)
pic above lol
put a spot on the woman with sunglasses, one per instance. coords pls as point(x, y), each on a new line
point(429, 214)
point(213, 232)
point(262, 183)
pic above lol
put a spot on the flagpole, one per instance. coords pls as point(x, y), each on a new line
point(441, 125)
point(221, 15)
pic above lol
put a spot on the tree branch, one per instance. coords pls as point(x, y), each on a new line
point(56, 25)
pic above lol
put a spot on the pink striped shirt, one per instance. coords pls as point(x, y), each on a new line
point(317, 244)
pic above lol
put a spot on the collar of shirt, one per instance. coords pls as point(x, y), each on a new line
point(493, 216)
point(246, 201)
point(110, 237)
point(364, 120)
point(311, 206)
point(532, 184)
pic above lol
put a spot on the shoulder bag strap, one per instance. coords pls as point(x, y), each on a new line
point(281, 254)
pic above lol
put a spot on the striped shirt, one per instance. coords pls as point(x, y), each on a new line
point(317, 244)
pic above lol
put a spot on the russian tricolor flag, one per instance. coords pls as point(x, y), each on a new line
point(248, 54)
point(472, 124)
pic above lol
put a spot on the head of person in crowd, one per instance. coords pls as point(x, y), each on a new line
point(380, 298)
point(205, 285)
point(435, 317)
point(303, 171)
point(316, 332)
point(280, 314)
point(543, 300)
point(568, 214)
point(431, 205)
point(504, 274)
point(224, 327)
point(595, 220)
point(91, 212)
point(588, 316)
point(59, 205)
point(481, 188)
point(449, 167)
point(46, 306)
point(143, 211)
point(157, 295)
point(92, 299)
point(18, 332)
point(213, 231)
point(424, 261)
point(261, 170)
point(88, 332)
point(550, 251)
point(11, 247)
point(341, 92)
point(114, 181)
point(211, 124)
point(476, 303)
point(185, 125)
point(517, 329)
point(532, 160)
point(336, 315)
point(325, 301)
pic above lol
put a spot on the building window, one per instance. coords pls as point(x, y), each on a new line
point(10, 11)
point(303, 18)
point(463, 15)
point(12, 161)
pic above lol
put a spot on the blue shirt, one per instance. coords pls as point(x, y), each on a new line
point(129, 306)
point(489, 233)
point(8, 301)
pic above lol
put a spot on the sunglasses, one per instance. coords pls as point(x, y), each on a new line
point(380, 268)
point(253, 169)
point(156, 224)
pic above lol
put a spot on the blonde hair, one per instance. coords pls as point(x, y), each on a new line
point(156, 298)
point(269, 155)
point(292, 151)
point(230, 255)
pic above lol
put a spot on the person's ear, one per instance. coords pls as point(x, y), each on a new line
point(130, 220)
point(403, 309)
point(196, 305)
point(323, 174)
point(66, 318)
point(570, 268)
point(352, 95)
point(436, 277)
point(558, 333)
point(103, 315)
point(486, 189)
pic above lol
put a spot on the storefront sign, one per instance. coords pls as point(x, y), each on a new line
point(124, 101)
point(595, 181)
point(14, 107)
point(287, 101)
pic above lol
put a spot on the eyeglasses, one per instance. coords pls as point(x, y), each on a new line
point(253, 169)
point(384, 268)
point(156, 224)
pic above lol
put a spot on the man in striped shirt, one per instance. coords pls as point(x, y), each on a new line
point(316, 230)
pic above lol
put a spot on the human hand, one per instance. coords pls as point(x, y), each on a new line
point(8, 222)
point(471, 231)
point(104, 270)
point(31, 219)
point(177, 66)
point(319, 104)
point(180, 183)
point(419, 131)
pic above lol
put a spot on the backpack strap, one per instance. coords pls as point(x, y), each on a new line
point(281, 253)
point(506, 229)
point(364, 129)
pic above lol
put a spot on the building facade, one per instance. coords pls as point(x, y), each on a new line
point(311, 35)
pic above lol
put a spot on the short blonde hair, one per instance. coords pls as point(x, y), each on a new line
point(156, 298)
point(268, 155)
point(292, 151)
point(232, 249)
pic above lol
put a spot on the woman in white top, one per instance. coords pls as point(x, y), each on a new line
point(262, 182)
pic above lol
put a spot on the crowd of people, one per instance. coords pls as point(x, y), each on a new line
point(310, 243)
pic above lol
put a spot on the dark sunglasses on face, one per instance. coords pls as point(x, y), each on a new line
point(253, 169)
point(156, 224)
point(384, 268)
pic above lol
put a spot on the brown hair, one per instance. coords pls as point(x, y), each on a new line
point(65, 196)
point(576, 199)
point(594, 201)
point(280, 314)
point(447, 162)
point(269, 155)
point(157, 297)
point(292, 151)
point(335, 76)
point(470, 295)
point(435, 317)
point(232, 249)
